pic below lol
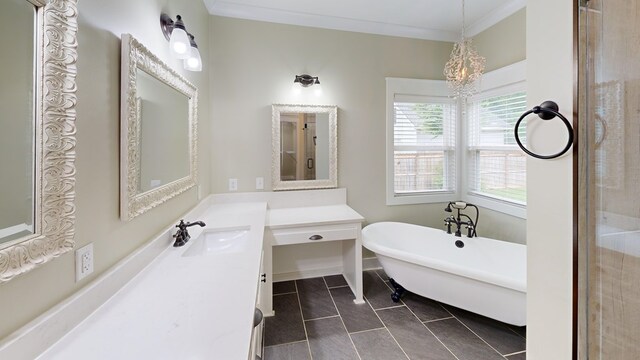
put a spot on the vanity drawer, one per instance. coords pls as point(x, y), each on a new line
point(312, 234)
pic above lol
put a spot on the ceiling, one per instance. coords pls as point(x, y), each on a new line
point(421, 19)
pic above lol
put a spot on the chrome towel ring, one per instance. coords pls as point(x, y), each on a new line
point(546, 111)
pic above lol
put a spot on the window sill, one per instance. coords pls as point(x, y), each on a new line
point(409, 199)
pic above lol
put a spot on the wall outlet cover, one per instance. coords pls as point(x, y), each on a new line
point(259, 183)
point(233, 184)
point(84, 261)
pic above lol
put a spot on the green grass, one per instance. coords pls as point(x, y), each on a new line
point(517, 194)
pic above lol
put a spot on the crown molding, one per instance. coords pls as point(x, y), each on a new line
point(495, 16)
point(233, 10)
point(227, 9)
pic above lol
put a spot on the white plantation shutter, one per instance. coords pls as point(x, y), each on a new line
point(424, 144)
point(496, 166)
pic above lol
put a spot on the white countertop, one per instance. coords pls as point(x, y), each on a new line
point(313, 215)
point(178, 307)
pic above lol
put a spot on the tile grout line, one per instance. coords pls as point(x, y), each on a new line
point(304, 326)
point(517, 333)
point(364, 331)
point(321, 318)
point(388, 332)
point(391, 307)
point(342, 321)
point(431, 332)
point(479, 337)
point(434, 320)
point(515, 353)
point(420, 321)
point(335, 287)
point(287, 293)
point(289, 343)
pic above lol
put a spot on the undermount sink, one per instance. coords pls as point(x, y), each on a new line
point(218, 241)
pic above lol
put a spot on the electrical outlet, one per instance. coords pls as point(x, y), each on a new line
point(233, 184)
point(259, 183)
point(84, 262)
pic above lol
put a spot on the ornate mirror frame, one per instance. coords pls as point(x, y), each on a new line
point(55, 142)
point(332, 181)
point(136, 56)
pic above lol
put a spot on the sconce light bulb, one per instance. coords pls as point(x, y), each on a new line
point(317, 89)
point(194, 62)
point(179, 43)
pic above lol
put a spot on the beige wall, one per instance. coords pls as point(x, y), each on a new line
point(101, 24)
point(505, 42)
point(253, 65)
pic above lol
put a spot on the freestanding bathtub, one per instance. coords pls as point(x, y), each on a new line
point(486, 276)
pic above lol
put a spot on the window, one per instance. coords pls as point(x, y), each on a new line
point(436, 152)
point(422, 142)
point(497, 167)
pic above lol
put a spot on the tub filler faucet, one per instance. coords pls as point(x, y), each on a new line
point(182, 235)
point(458, 219)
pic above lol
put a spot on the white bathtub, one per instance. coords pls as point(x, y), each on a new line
point(486, 276)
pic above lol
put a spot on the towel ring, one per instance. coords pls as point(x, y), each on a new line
point(546, 111)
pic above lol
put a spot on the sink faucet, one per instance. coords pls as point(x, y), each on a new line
point(458, 220)
point(182, 235)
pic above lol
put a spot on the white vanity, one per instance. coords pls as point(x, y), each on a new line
point(314, 224)
point(199, 300)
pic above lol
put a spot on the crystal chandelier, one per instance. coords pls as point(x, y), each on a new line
point(465, 67)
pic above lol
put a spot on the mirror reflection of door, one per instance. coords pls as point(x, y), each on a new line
point(304, 152)
point(17, 110)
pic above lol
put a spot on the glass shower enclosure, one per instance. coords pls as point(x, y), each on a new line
point(609, 180)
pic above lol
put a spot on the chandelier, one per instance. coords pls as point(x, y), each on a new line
point(465, 67)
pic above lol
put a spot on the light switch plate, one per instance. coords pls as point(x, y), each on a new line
point(84, 261)
point(259, 183)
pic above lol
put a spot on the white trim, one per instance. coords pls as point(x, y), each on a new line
point(241, 11)
point(281, 16)
point(434, 90)
point(495, 16)
point(505, 76)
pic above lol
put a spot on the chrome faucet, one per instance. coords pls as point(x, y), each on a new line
point(458, 219)
point(182, 235)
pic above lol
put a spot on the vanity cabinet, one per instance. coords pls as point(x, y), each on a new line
point(315, 224)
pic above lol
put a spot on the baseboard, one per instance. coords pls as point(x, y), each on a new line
point(371, 263)
point(367, 264)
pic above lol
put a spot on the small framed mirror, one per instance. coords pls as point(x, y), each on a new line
point(304, 151)
point(159, 123)
point(37, 141)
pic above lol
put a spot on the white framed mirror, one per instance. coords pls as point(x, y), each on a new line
point(304, 152)
point(37, 142)
point(159, 125)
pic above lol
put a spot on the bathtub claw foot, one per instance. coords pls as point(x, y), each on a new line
point(399, 290)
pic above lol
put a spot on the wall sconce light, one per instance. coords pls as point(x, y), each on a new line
point(183, 45)
point(304, 81)
point(176, 33)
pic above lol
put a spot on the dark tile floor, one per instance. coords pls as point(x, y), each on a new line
point(317, 319)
